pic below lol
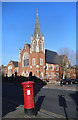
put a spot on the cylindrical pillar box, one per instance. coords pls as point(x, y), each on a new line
point(29, 102)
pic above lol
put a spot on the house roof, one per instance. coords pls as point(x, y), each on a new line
point(51, 57)
point(29, 45)
point(15, 63)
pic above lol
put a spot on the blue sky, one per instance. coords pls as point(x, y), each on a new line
point(57, 22)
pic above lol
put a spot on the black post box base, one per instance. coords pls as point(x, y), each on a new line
point(30, 112)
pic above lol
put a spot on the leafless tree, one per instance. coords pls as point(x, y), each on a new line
point(71, 56)
point(69, 53)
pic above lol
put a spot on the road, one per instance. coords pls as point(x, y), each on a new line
point(55, 102)
point(60, 102)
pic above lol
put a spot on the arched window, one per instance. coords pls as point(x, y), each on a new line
point(40, 45)
point(34, 46)
point(41, 75)
point(57, 68)
point(52, 67)
point(52, 75)
point(25, 59)
point(10, 70)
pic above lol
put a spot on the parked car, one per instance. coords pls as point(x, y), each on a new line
point(73, 81)
point(62, 82)
point(68, 81)
point(65, 81)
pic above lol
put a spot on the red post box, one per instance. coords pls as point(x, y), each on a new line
point(29, 104)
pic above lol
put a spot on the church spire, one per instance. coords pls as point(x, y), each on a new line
point(37, 27)
point(37, 11)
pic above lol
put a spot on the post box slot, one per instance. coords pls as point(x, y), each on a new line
point(27, 87)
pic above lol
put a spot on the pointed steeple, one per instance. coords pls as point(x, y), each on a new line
point(37, 27)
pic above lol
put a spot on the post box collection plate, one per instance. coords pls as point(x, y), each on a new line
point(28, 92)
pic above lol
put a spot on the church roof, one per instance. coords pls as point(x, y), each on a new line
point(51, 57)
point(15, 63)
point(37, 27)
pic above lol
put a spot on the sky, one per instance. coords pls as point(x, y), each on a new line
point(57, 22)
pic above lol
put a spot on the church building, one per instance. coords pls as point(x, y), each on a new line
point(35, 58)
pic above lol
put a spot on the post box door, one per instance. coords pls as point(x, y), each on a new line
point(29, 97)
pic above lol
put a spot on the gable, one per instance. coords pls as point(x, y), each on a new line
point(15, 63)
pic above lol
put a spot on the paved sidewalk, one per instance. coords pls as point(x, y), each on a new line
point(64, 87)
point(18, 112)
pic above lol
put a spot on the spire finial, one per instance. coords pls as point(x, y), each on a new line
point(26, 42)
point(37, 11)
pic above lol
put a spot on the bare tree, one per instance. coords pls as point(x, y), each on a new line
point(69, 53)
point(68, 59)
point(65, 65)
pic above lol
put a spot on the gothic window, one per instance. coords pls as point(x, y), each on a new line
point(41, 75)
point(33, 61)
point(25, 59)
point(41, 61)
point(57, 68)
point(40, 45)
point(34, 46)
point(10, 70)
point(52, 75)
point(25, 47)
point(52, 67)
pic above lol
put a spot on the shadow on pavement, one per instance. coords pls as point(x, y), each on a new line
point(12, 92)
point(62, 103)
point(74, 96)
point(39, 103)
point(12, 97)
point(7, 107)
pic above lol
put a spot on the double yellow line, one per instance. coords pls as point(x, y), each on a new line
point(53, 114)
